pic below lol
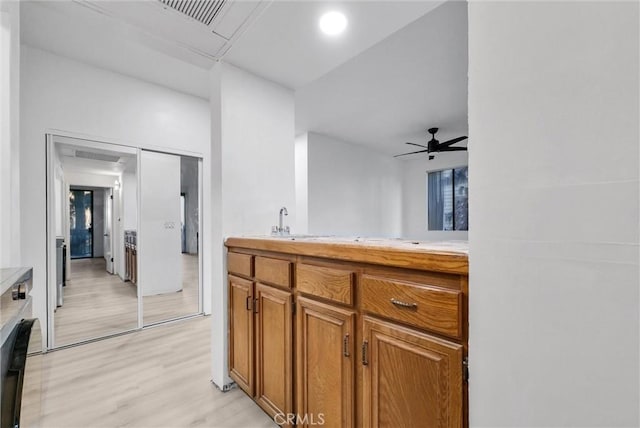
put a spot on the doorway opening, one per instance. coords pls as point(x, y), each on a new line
point(81, 223)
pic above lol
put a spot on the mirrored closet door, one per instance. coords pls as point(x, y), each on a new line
point(92, 201)
point(169, 245)
point(124, 239)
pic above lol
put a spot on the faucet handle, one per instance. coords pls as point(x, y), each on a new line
point(287, 230)
point(274, 230)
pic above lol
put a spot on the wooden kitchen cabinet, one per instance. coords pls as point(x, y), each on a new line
point(410, 378)
point(261, 331)
point(274, 349)
point(325, 360)
point(260, 343)
point(241, 329)
point(380, 332)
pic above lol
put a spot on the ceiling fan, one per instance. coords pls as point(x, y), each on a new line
point(434, 146)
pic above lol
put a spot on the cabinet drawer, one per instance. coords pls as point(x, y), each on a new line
point(273, 271)
point(328, 283)
point(240, 264)
point(423, 306)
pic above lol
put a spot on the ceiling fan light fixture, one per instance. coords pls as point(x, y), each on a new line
point(434, 146)
point(333, 23)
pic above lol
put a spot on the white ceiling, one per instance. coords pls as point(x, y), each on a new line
point(75, 31)
point(202, 44)
point(393, 92)
point(400, 68)
point(286, 46)
point(279, 40)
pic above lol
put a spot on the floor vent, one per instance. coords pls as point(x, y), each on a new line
point(204, 11)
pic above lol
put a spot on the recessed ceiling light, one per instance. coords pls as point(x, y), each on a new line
point(333, 23)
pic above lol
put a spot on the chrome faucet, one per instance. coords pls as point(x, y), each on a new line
point(283, 212)
point(281, 229)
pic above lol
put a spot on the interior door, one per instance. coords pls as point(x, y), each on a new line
point(81, 223)
point(108, 227)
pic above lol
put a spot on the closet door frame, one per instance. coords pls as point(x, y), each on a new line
point(89, 141)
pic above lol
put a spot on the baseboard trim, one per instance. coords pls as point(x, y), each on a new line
point(226, 387)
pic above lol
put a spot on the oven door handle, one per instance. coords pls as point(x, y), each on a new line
point(12, 388)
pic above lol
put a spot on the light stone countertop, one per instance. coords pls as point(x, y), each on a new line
point(438, 246)
point(442, 256)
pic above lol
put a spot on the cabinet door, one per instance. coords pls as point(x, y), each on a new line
point(241, 333)
point(410, 378)
point(325, 364)
point(274, 368)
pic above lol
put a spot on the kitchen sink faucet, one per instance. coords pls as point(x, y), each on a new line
point(281, 229)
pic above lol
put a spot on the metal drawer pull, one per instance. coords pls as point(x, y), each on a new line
point(345, 346)
point(404, 304)
point(365, 347)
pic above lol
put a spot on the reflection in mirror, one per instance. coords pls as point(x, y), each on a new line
point(169, 258)
point(94, 186)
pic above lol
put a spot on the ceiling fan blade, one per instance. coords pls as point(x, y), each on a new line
point(453, 141)
point(419, 145)
point(412, 153)
point(452, 149)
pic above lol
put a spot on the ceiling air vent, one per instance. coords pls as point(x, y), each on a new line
point(204, 11)
point(97, 156)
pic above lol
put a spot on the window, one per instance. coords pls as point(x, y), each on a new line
point(448, 199)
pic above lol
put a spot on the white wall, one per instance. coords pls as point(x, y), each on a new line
point(130, 200)
point(348, 189)
point(82, 179)
point(352, 191)
point(554, 161)
point(61, 196)
point(414, 196)
point(302, 184)
point(252, 137)
point(10, 219)
point(58, 93)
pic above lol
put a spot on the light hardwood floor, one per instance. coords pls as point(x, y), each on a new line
point(98, 304)
point(157, 377)
point(172, 305)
